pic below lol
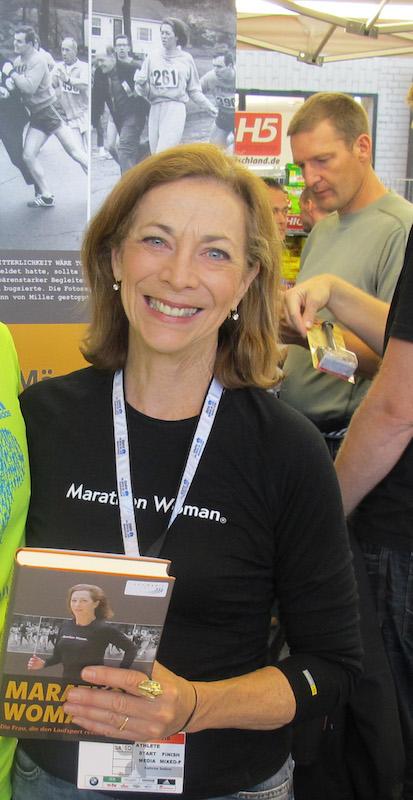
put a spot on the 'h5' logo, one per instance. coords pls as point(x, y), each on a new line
point(258, 134)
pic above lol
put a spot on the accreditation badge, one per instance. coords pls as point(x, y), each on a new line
point(133, 766)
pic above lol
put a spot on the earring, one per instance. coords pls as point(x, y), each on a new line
point(116, 286)
point(233, 315)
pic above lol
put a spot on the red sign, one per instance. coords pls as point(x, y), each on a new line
point(257, 134)
point(294, 222)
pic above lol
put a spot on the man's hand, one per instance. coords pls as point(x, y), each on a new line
point(301, 303)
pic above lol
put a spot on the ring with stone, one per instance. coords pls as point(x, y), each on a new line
point(150, 689)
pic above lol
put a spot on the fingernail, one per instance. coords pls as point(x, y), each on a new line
point(73, 695)
point(88, 674)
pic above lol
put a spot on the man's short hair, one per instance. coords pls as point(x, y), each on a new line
point(272, 183)
point(122, 36)
point(347, 117)
point(30, 35)
point(73, 42)
point(226, 55)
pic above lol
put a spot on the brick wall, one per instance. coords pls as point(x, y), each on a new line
point(389, 77)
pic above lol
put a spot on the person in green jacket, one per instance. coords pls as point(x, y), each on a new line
point(14, 499)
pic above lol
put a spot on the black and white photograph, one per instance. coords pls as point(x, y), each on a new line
point(162, 74)
point(33, 633)
point(44, 124)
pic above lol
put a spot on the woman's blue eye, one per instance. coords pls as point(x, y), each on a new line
point(216, 254)
point(155, 240)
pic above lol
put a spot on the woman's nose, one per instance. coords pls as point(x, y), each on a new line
point(180, 271)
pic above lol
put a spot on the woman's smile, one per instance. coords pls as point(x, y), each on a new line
point(171, 309)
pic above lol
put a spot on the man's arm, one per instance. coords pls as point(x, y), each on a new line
point(368, 360)
point(56, 76)
point(202, 101)
point(141, 78)
point(82, 80)
point(358, 311)
point(195, 92)
point(30, 81)
point(380, 429)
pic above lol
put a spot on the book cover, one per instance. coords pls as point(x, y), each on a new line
point(67, 610)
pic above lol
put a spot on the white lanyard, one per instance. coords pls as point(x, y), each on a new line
point(122, 459)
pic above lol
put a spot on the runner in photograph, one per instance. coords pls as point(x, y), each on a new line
point(219, 83)
point(168, 78)
point(31, 76)
point(13, 120)
point(70, 78)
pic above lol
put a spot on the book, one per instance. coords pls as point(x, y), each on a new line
point(69, 609)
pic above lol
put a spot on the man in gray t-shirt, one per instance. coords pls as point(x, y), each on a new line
point(363, 241)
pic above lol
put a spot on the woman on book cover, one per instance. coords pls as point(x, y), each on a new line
point(227, 482)
point(83, 640)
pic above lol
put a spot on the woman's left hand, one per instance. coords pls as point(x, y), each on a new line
point(122, 712)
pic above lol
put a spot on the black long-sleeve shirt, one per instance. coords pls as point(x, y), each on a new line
point(79, 646)
point(262, 520)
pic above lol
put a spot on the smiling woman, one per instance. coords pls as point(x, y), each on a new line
point(182, 269)
point(191, 229)
point(182, 261)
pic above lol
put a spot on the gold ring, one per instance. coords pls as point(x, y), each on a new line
point(150, 689)
point(123, 724)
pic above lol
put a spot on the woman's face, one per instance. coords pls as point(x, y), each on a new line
point(183, 266)
point(82, 603)
point(168, 38)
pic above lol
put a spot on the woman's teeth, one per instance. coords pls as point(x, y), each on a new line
point(171, 311)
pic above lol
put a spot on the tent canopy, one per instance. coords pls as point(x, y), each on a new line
point(310, 32)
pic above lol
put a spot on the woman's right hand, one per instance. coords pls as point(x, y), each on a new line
point(35, 662)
